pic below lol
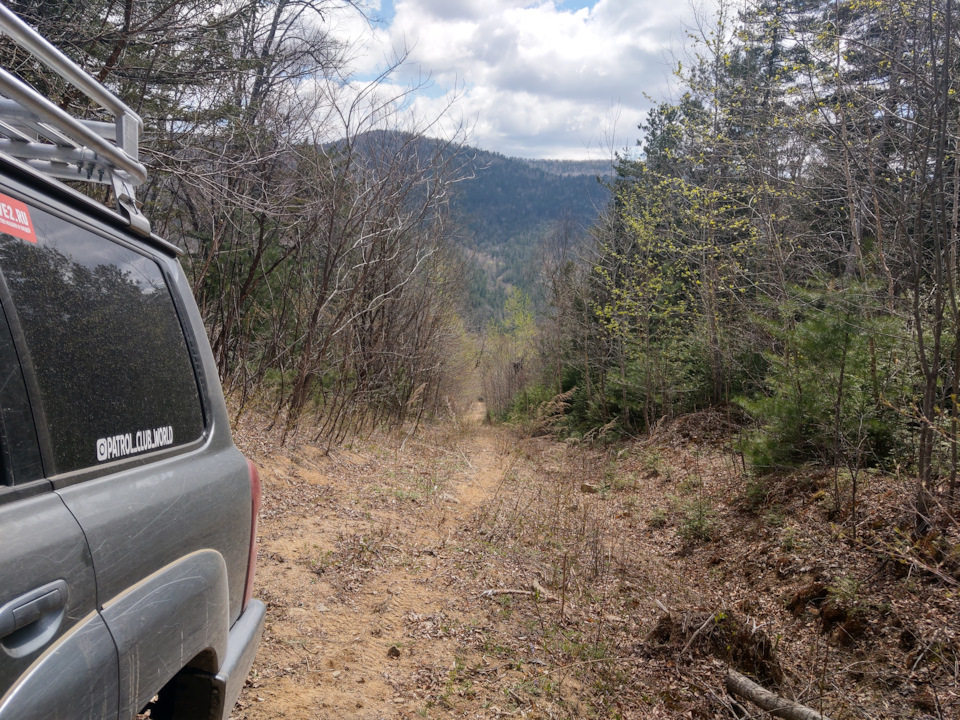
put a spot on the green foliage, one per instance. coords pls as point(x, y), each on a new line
point(524, 405)
point(508, 361)
point(697, 519)
point(657, 518)
point(518, 318)
point(834, 367)
point(784, 239)
point(586, 411)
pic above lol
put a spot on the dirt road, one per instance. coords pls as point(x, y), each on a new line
point(370, 607)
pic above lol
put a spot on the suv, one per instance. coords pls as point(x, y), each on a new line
point(127, 514)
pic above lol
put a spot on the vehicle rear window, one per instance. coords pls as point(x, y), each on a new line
point(104, 341)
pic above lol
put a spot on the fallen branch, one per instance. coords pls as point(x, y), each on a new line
point(694, 636)
point(743, 687)
point(543, 593)
point(889, 551)
point(536, 589)
point(504, 591)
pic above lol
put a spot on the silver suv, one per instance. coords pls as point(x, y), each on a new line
point(127, 515)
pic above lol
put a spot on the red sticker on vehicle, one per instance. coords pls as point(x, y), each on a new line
point(15, 219)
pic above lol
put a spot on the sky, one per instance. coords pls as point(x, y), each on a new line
point(565, 79)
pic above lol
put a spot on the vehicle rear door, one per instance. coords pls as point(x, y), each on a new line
point(126, 447)
point(57, 658)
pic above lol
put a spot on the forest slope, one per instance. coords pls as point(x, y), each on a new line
point(510, 206)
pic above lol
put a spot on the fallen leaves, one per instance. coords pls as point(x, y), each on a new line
point(476, 577)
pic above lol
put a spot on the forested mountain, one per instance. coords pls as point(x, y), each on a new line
point(510, 206)
point(506, 198)
point(594, 168)
point(504, 211)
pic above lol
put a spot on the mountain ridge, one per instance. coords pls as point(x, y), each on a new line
point(505, 208)
point(510, 206)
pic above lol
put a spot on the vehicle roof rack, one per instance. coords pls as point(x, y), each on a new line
point(49, 139)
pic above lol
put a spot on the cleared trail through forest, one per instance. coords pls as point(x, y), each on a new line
point(363, 568)
point(469, 572)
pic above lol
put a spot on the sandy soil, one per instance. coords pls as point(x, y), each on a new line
point(362, 573)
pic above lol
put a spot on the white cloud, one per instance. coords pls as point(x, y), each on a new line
point(536, 80)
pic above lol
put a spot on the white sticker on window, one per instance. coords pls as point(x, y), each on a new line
point(118, 446)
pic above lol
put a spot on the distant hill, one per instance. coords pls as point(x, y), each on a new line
point(510, 205)
point(506, 207)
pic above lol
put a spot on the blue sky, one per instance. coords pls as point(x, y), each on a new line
point(576, 5)
point(528, 78)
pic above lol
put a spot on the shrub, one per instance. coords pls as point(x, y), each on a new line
point(825, 398)
point(657, 518)
point(697, 520)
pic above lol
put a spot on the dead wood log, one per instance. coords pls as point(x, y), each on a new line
point(743, 687)
point(493, 592)
point(536, 590)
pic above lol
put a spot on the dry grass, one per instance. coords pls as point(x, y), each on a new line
point(525, 577)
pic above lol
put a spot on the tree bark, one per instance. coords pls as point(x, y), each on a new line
point(743, 687)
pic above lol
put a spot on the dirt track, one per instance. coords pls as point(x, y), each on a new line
point(368, 609)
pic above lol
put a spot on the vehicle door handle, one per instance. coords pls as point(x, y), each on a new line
point(32, 606)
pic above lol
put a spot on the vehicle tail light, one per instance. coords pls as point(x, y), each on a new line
point(255, 512)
